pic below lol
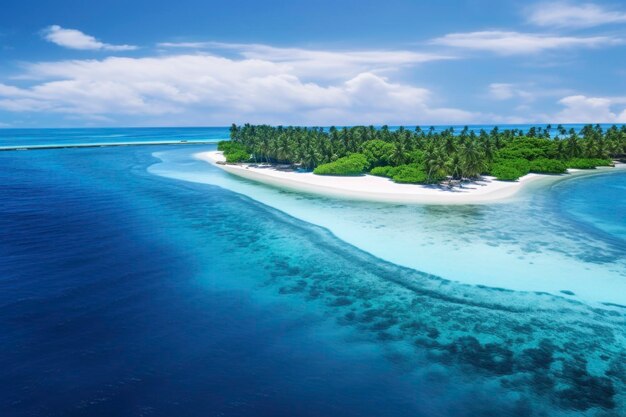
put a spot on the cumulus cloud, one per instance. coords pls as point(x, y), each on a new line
point(525, 91)
point(317, 63)
point(511, 43)
point(211, 89)
point(185, 45)
point(566, 14)
point(507, 91)
point(583, 109)
point(75, 39)
point(575, 108)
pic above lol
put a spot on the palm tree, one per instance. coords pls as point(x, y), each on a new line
point(284, 149)
point(450, 145)
point(572, 147)
point(456, 165)
point(436, 162)
point(398, 156)
point(442, 152)
point(473, 160)
point(310, 158)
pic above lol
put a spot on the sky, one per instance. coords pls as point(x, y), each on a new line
point(212, 63)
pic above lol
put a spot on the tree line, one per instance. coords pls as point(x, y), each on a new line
point(426, 155)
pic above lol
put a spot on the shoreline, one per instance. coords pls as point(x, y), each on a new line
point(380, 189)
point(411, 240)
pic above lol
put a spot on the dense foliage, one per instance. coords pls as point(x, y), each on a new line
point(510, 169)
point(353, 164)
point(407, 174)
point(588, 163)
point(547, 166)
point(427, 156)
point(234, 151)
point(410, 174)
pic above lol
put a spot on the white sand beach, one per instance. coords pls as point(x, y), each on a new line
point(373, 188)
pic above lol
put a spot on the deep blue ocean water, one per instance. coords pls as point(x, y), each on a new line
point(128, 294)
point(26, 137)
point(29, 137)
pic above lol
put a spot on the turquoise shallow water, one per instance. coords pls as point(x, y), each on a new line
point(532, 243)
point(130, 293)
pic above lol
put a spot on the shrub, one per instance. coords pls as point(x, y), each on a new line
point(223, 144)
point(377, 152)
point(416, 157)
point(237, 156)
point(588, 163)
point(228, 145)
point(405, 174)
point(233, 151)
point(510, 169)
point(386, 171)
point(528, 148)
point(547, 166)
point(354, 164)
point(410, 174)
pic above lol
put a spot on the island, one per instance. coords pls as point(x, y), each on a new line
point(415, 166)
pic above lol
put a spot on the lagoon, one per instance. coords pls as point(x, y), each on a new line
point(142, 281)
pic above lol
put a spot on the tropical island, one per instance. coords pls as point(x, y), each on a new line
point(376, 162)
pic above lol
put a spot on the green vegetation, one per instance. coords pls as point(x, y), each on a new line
point(234, 151)
point(377, 152)
point(510, 169)
point(353, 164)
point(427, 156)
point(547, 166)
point(588, 163)
point(405, 174)
point(410, 174)
point(386, 171)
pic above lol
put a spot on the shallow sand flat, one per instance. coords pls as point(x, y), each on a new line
point(373, 188)
point(522, 245)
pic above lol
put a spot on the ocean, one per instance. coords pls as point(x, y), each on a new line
point(139, 281)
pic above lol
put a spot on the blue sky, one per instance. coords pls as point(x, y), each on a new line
point(200, 63)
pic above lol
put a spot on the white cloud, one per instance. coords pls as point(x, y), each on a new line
point(566, 14)
point(210, 89)
point(525, 91)
point(511, 43)
point(185, 45)
point(507, 91)
point(318, 63)
point(576, 108)
point(501, 91)
point(75, 39)
point(583, 109)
